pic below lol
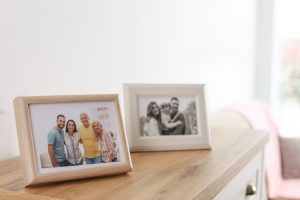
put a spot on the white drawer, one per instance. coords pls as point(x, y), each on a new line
point(252, 173)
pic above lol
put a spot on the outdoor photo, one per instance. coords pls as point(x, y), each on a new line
point(163, 116)
point(74, 134)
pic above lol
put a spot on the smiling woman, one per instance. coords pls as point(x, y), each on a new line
point(107, 143)
point(151, 124)
point(44, 135)
point(72, 141)
point(166, 116)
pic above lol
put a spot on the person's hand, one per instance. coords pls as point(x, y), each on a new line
point(111, 157)
point(55, 164)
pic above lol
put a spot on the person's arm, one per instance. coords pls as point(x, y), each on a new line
point(167, 123)
point(52, 156)
point(112, 138)
point(180, 129)
point(111, 157)
point(51, 141)
point(171, 124)
point(175, 118)
point(146, 129)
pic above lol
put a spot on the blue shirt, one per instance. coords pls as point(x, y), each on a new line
point(56, 138)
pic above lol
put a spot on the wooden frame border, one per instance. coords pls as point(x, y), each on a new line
point(32, 176)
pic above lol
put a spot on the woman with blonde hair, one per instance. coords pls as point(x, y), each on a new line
point(106, 142)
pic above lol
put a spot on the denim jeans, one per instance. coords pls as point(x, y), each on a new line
point(64, 163)
point(93, 160)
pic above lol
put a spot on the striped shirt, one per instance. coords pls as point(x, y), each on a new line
point(74, 155)
point(107, 145)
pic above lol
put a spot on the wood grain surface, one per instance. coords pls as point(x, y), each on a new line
point(11, 195)
point(196, 174)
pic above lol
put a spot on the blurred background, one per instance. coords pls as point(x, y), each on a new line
point(242, 50)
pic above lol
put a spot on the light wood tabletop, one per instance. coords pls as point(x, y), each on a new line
point(195, 174)
point(11, 195)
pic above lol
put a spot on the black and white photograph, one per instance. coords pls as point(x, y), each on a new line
point(171, 115)
point(163, 117)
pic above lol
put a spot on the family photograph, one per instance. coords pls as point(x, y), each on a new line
point(75, 136)
point(168, 116)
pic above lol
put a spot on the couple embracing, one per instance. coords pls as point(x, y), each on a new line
point(164, 120)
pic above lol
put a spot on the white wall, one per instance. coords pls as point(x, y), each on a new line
point(52, 47)
point(265, 51)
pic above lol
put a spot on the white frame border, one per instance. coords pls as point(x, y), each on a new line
point(165, 143)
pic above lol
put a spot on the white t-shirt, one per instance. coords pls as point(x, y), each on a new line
point(151, 128)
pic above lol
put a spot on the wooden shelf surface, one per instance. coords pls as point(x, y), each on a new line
point(195, 174)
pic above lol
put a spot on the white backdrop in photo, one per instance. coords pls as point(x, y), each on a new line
point(43, 119)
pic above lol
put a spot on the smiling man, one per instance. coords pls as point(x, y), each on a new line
point(56, 142)
point(91, 146)
point(176, 116)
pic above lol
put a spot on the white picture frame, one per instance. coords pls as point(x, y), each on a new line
point(37, 116)
point(139, 97)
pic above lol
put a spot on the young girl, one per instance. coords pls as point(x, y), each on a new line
point(166, 121)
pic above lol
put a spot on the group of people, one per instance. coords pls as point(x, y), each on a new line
point(98, 143)
point(164, 119)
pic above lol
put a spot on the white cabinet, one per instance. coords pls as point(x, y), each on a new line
point(221, 173)
point(247, 184)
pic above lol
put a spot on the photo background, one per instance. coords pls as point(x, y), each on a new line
point(184, 102)
point(43, 119)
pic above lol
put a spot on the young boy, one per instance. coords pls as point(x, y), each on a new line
point(167, 123)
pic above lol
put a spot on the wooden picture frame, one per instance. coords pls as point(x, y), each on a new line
point(182, 127)
point(39, 127)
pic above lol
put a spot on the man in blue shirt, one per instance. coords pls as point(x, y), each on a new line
point(56, 142)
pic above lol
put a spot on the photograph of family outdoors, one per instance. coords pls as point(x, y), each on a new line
point(74, 135)
point(164, 116)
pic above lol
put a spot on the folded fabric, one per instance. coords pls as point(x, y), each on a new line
point(290, 159)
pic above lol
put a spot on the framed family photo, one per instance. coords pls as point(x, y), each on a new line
point(70, 137)
point(166, 117)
